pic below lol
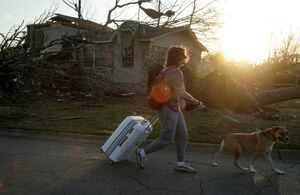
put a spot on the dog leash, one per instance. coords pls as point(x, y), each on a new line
point(226, 116)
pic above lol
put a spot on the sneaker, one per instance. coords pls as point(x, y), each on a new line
point(139, 159)
point(185, 167)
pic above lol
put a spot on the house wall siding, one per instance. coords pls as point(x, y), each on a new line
point(96, 61)
point(150, 57)
point(132, 80)
point(151, 60)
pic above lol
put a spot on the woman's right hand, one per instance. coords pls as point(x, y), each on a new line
point(195, 101)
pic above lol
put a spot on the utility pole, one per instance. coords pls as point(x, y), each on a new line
point(159, 4)
point(79, 10)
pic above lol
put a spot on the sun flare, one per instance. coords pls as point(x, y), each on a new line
point(251, 28)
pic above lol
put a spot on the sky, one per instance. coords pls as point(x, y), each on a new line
point(250, 27)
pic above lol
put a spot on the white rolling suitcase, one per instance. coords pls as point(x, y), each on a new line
point(127, 138)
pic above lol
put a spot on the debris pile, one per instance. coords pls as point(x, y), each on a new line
point(36, 77)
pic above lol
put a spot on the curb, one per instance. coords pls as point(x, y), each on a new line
point(54, 136)
point(77, 138)
point(285, 155)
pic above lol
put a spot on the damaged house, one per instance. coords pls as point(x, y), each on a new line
point(45, 37)
point(121, 59)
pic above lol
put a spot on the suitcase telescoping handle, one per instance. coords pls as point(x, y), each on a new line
point(150, 124)
point(154, 120)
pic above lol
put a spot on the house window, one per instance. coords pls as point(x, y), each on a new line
point(127, 57)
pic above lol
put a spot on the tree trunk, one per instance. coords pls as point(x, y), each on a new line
point(277, 95)
point(220, 91)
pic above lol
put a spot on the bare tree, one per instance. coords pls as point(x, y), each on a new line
point(15, 71)
point(15, 37)
point(199, 16)
point(192, 14)
point(117, 5)
point(286, 57)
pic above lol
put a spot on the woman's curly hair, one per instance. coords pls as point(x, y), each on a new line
point(175, 55)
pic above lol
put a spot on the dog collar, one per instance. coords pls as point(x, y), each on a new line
point(267, 135)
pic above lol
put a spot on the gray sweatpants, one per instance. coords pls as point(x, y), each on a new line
point(172, 128)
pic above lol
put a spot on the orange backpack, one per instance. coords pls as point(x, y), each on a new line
point(160, 93)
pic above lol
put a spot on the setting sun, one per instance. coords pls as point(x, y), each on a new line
point(253, 28)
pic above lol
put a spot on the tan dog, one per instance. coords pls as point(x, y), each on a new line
point(255, 143)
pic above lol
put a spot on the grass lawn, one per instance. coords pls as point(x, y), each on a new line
point(102, 117)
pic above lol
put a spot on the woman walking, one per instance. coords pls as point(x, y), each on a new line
point(173, 127)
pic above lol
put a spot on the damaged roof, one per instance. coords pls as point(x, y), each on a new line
point(86, 24)
point(144, 32)
point(75, 22)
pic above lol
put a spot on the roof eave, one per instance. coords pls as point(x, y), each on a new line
point(199, 44)
point(167, 34)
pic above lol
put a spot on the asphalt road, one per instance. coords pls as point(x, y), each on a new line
point(45, 163)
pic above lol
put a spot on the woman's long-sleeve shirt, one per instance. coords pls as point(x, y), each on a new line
point(173, 78)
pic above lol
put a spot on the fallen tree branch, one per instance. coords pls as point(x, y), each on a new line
point(277, 95)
